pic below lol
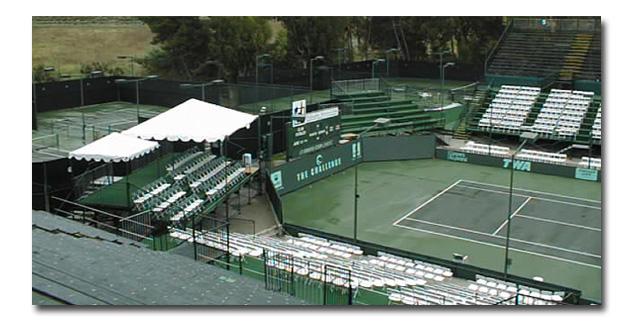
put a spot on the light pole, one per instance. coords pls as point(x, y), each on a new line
point(188, 86)
point(377, 122)
point(136, 81)
point(211, 62)
point(45, 70)
point(131, 58)
point(339, 50)
point(81, 84)
point(373, 67)
point(527, 136)
point(312, 60)
point(448, 64)
point(257, 57)
point(387, 52)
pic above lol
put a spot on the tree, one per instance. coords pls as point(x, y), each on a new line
point(313, 36)
point(184, 41)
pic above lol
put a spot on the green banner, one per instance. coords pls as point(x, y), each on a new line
point(587, 174)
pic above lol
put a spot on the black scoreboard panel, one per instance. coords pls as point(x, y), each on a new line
point(313, 136)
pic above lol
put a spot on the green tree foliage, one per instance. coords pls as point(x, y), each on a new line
point(313, 36)
point(236, 41)
point(105, 68)
point(39, 75)
point(183, 40)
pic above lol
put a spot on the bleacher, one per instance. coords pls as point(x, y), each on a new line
point(406, 281)
point(541, 157)
point(484, 149)
point(561, 50)
point(509, 109)
point(195, 181)
point(370, 105)
point(562, 113)
point(596, 128)
point(590, 162)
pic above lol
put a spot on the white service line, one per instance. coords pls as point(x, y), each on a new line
point(450, 227)
point(427, 202)
point(534, 197)
point(511, 216)
point(502, 247)
point(527, 190)
point(561, 223)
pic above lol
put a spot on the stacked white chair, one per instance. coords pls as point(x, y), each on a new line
point(562, 113)
point(509, 109)
point(484, 149)
point(596, 129)
point(541, 157)
point(590, 162)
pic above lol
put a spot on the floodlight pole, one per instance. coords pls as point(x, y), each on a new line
point(356, 196)
point(373, 67)
point(387, 52)
point(509, 219)
point(311, 60)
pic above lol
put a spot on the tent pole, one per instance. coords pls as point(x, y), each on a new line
point(127, 185)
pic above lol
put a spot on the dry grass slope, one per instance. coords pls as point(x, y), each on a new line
point(66, 47)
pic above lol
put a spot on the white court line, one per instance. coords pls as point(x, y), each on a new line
point(534, 197)
point(511, 216)
point(561, 223)
point(527, 190)
point(449, 226)
point(503, 247)
point(513, 239)
point(429, 201)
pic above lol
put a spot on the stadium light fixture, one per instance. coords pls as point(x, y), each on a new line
point(136, 81)
point(448, 64)
point(339, 50)
point(189, 86)
point(373, 66)
point(311, 61)
point(131, 58)
point(257, 57)
point(377, 122)
point(387, 54)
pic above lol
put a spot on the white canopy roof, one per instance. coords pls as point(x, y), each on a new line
point(114, 148)
point(193, 120)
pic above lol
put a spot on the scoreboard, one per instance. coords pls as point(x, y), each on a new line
point(310, 132)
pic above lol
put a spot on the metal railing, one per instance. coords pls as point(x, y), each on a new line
point(553, 25)
point(494, 49)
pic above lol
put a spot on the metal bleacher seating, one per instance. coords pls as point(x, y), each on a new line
point(541, 157)
point(590, 162)
point(562, 113)
point(509, 109)
point(483, 149)
point(596, 129)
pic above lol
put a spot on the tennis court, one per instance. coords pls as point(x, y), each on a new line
point(437, 208)
point(544, 224)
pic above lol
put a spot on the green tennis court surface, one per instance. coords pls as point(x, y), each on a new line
point(437, 208)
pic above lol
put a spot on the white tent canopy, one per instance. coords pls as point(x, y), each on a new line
point(193, 120)
point(114, 148)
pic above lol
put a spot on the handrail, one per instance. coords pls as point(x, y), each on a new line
point(495, 47)
point(85, 207)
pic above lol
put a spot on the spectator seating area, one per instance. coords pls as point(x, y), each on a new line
point(562, 113)
point(195, 182)
point(406, 281)
point(484, 149)
point(590, 162)
point(370, 105)
point(509, 109)
point(541, 157)
point(596, 129)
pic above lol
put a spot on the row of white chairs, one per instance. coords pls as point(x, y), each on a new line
point(511, 105)
point(488, 284)
point(207, 172)
point(562, 113)
point(484, 149)
point(542, 157)
point(591, 162)
point(596, 129)
point(192, 165)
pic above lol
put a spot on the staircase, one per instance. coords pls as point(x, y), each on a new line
point(575, 58)
point(478, 99)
